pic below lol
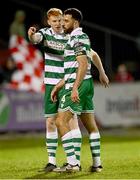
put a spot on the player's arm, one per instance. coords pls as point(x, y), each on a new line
point(55, 90)
point(81, 71)
point(34, 36)
point(81, 57)
point(98, 63)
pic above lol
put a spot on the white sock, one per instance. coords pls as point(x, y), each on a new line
point(77, 141)
point(95, 148)
point(69, 148)
point(51, 144)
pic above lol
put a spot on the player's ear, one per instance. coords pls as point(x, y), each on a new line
point(76, 23)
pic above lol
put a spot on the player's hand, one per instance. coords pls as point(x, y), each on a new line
point(75, 95)
point(31, 31)
point(104, 80)
point(54, 94)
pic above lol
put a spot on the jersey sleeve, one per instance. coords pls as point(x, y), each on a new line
point(42, 33)
point(79, 47)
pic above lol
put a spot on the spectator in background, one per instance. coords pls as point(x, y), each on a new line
point(6, 71)
point(17, 27)
point(123, 75)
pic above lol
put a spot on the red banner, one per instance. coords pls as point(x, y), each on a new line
point(29, 62)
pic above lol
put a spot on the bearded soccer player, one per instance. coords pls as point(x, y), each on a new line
point(78, 93)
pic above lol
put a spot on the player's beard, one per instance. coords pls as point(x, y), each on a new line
point(68, 31)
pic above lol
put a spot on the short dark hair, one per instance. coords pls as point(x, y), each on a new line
point(76, 14)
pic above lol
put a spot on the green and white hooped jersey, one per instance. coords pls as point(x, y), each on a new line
point(53, 47)
point(78, 44)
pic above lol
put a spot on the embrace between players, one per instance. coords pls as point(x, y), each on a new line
point(69, 88)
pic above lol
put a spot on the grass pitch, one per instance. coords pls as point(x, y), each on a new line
point(22, 157)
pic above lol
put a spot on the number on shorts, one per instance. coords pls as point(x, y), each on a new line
point(63, 99)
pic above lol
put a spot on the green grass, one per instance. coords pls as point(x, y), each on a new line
point(22, 157)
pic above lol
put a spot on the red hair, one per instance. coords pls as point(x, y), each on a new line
point(54, 12)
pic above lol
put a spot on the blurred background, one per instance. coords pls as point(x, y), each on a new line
point(115, 35)
point(114, 31)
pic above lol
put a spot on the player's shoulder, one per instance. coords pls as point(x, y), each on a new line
point(45, 30)
point(79, 37)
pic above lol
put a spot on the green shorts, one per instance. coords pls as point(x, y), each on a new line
point(50, 108)
point(86, 105)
